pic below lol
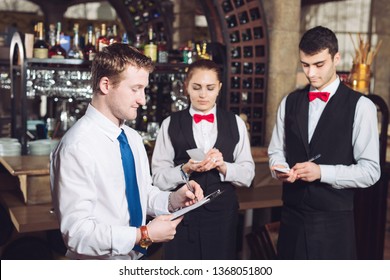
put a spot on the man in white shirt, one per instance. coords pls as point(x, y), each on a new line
point(87, 176)
point(326, 139)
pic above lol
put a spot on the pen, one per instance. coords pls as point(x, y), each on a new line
point(185, 178)
point(315, 157)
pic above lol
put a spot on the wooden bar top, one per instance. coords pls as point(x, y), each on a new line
point(26, 165)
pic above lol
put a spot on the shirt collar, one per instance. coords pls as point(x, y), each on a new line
point(102, 122)
point(194, 111)
point(331, 88)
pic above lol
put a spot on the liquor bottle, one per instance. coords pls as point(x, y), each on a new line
point(139, 42)
point(52, 35)
point(95, 38)
point(75, 51)
point(109, 34)
point(125, 38)
point(41, 48)
point(36, 32)
point(89, 49)
point(189, 53)
point(150, 48)
point(102, 40)
point(113, 37)
point(57, 51)
point(162, 48)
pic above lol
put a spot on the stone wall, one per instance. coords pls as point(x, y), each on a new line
point(381, 12)
point(282, 19)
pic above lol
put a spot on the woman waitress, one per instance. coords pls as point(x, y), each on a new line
point(209, 232)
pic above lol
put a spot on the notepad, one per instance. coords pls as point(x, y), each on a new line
point(196, 154)
point(201, 202)
point(284, 170)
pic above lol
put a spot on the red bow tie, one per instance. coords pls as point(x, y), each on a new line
point(209, 118)
point(324, 96)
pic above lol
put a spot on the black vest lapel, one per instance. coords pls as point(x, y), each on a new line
point(303, 120)
point(186, 127)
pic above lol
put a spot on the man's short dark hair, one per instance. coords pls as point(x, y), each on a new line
point(318, 39)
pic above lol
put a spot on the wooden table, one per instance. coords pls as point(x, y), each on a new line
point(256, 198)
point(28, 200)
point(260, 197)
point(26, 165)
point(28, 218)
point(33, 175)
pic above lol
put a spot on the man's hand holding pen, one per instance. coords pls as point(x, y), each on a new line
point(186, 195)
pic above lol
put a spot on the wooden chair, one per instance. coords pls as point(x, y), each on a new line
point(262, 242)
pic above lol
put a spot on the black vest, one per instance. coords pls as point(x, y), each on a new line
point(181, 135)
point(332, 139)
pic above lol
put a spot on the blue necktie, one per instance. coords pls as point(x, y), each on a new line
point(132, 192)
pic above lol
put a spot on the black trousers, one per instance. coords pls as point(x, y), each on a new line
point(204, 235)
point(312, 234)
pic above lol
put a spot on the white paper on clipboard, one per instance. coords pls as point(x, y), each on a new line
point(196, 154)
point(201, 202)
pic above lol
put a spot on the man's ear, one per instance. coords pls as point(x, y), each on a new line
point(103, 85)
point(336, 59)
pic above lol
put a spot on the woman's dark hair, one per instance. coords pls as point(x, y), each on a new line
point(318, 39)
point(113, 60)
point(205, 64)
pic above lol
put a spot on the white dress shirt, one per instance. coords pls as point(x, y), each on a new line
point(365, 143)
point(88, 189)
point(167, 176)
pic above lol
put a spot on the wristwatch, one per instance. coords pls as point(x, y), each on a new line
point(145, 241)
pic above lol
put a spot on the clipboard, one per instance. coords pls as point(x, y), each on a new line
point(201, 202)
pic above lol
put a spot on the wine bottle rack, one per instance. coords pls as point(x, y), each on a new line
point(238, 25)
point(244, 34)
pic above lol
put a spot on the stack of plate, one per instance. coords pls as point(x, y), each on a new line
point(42, 147)
point(10, 147)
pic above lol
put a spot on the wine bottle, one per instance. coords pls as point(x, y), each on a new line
point(89, 49)
point(162, 48)
point(150, 48)
point(57, 51)
point(52, 35)
point(125, 38)
point(75, 51)
point(113, 37)
point(139, 42)
point(102, 40)
point(41, 48)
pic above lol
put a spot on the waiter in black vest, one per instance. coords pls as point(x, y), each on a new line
point(326, 137)
point(208, 232)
